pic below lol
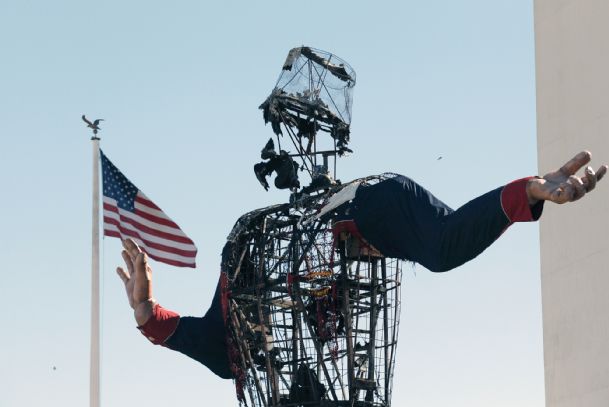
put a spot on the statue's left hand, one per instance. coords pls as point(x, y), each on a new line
point(563, 185)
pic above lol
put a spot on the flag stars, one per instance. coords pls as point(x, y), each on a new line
point(118, 188)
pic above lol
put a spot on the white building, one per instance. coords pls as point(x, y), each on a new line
point(572, 57)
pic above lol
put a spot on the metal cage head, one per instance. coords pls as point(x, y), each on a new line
point(314, 93)
point(321, 78)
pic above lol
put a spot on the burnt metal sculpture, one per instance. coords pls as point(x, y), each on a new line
point(306, 312)
point(311, 310)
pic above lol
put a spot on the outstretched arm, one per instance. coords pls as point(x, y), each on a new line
point(472, 228)
point(404, 220)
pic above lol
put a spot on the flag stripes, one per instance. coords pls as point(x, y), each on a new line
point(128, 213)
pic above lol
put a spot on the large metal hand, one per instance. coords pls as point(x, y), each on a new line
point(137, 280)
point(563, 185)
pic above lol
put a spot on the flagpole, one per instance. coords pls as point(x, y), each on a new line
point(94, 381)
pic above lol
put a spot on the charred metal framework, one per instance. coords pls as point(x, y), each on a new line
point(313, 94)
point(312, 313)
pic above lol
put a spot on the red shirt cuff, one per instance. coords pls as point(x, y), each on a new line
point(161, 325)
point(515, 202)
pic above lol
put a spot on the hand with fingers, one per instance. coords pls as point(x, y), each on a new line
point(138, 281)
point(564, 185)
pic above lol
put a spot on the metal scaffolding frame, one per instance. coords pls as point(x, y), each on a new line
point(313, 314)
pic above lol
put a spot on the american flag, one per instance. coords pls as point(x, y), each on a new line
point(128, 213)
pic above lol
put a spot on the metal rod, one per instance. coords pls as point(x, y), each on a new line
point(373, 316)
point(396, 310)
point(338, 377)
point(325, 153)
point(246, 351)
point(238, 269)
point(274, 396)
point(385, 327)
point(241, 344)
point(347, 316)
point(317, 346)
point(356, 302)
point(335, 159)
point(305, 357)
point(94, 366)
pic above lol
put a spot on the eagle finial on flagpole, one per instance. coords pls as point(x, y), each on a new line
point(93, 125)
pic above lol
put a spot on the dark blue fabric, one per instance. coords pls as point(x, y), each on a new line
point(203, 339)
point(403, 220)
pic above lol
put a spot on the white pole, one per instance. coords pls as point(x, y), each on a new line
point(94, 383)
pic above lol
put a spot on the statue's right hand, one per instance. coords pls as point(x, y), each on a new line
point(138, 281)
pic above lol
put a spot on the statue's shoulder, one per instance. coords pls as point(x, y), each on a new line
point(305, 206)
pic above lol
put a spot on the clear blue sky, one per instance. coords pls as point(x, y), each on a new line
point(179, 84)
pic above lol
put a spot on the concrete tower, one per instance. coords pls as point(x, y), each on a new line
point(572, 57)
